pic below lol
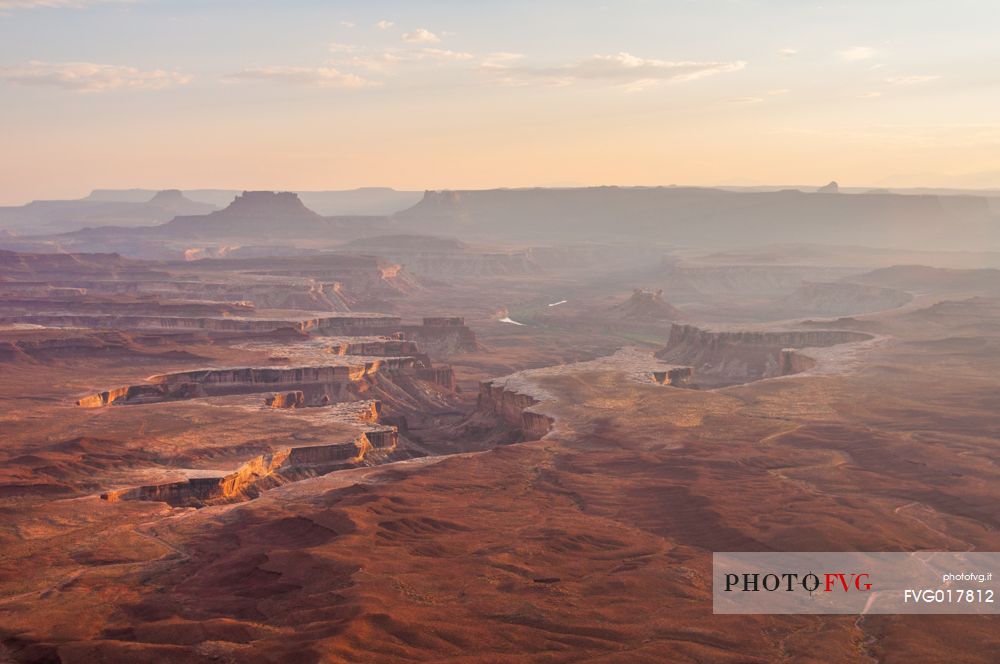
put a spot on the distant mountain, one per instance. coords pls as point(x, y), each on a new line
point(43, 217)
point(711, 218)
point(364, 201)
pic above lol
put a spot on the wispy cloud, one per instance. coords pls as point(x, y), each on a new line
point(421, 36)
point(11, 5)
point(857, 53)
point(336, 47)
point(787, 52)
point(89, 76)
point(327, 77)
point(621, 68)
point(384, 61)
point(910, 80)
point(501, 59)
point(347, 24)
point(384, 25)
point(440, 54)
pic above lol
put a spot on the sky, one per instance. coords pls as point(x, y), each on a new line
point(248, 94)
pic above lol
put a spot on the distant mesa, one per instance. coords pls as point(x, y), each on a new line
point(831, 188)
point(252, 213)
point(647, 305)
point(706, 217)
point(172, 198)
point(70, 215)
point(267, 204)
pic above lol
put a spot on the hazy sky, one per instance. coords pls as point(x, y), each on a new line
point(463, 94)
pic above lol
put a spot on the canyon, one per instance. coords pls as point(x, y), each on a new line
point(216, 448)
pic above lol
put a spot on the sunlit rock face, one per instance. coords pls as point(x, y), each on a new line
point(294, 399)
point(264, 472)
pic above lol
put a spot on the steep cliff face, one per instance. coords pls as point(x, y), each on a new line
point(513, 408)
point(293, 399)
point(139, 394)
point(402, 379)
point(677, 377)
point(443, 335)
point(264, 472)
point(723, 358)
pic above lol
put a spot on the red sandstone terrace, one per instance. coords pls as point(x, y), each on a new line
point(196, 481)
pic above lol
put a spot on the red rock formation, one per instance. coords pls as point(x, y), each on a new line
point(513, 408)
point(734, 357)
point(647, 305)
point(676, 376)
point(263, 472)
point(334, 382)
point(293, 399)
point(443, 335)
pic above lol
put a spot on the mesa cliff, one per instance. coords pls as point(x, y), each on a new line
point(265, 472)
point(709, 217)
point(726, 358)
point(497, 400)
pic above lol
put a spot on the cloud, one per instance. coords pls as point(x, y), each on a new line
point(347, 24)
point(385, 60)
point(377, 61)
point(326, 77)
point(384, 25)
point(787, 52)
point(10, 5)
point(622, 68)
point(334, 47)
point(500, 60)
point(89, 76)
point(909, 80)
point(440, 54)
point(421, 36)
point(857, 53)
